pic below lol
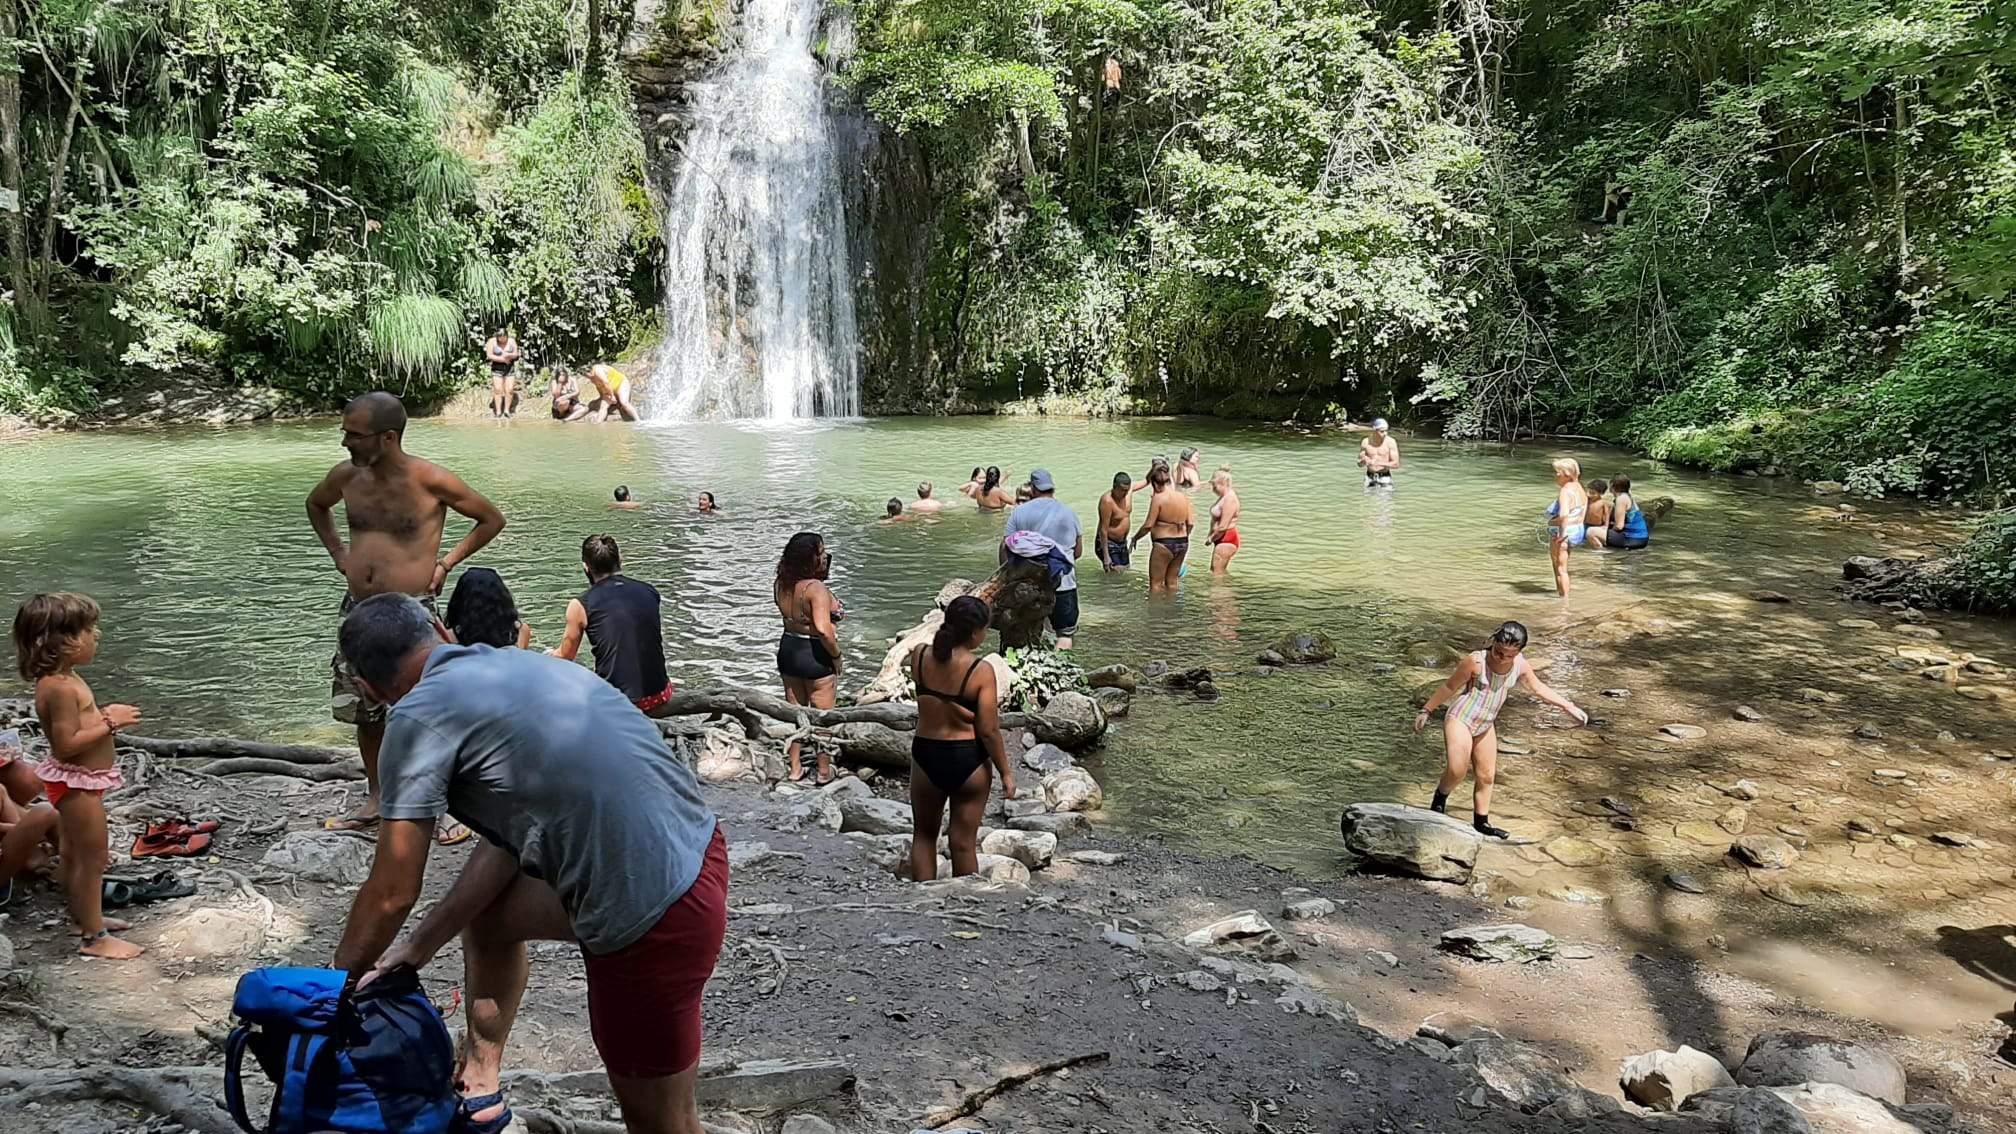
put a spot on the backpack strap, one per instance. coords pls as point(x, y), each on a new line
point(234, 1078)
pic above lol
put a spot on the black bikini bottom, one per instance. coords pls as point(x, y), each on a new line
point(803, 658)
point(947, 763)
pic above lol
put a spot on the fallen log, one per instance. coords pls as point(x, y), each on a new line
point(351, 769)
point(225, 748)
point(1020, 594)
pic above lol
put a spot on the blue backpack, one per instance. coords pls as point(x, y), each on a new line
point(375, 1060)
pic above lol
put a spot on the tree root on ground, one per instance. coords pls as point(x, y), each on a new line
point(974, 1100)
point(225, 747)
point(351, 769)
point(187, 1095)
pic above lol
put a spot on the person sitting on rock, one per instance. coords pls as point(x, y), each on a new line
point(958, 735)
point(1475, 691)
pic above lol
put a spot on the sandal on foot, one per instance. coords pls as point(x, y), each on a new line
point(471, 1104)
point(451, 833)
point(351, 823)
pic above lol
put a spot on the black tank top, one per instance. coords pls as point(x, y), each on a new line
point(623, 629)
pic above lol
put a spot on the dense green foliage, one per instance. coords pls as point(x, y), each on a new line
point(322, 196)
point(1980, 574)
point(1737, 233)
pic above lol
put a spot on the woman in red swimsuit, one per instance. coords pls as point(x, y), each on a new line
point(1224, 521)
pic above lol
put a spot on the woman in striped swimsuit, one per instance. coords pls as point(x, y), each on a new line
point(1474, 693)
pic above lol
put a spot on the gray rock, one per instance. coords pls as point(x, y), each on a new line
point(772, 1086)
point(1033, 849)
point(744, 855)
point(847, 787)
point(1000, 868)
point(1503, 943)
point(1685, 883)
point(1308, 909)
point(1095, 858)
point(1305, 648)
point(1069, 720)
point(1765, 852)
point(1764, 1112)
point(1113, 677)
point(818, 812)
point(1300, 998)
point(1743, 790)
point(1868, 732)
point(890, 852)
point(320, 856)
point(1383, 957)
point(6, 955)
point(1197, 980)
point(1412, 840)
point(1060, 824)
point(1016, 808)
point(1270, 657)
point(875, 815)
point(1072, 789)
point(1519, 902)
point(1047, 758)
point(807, 1124)
point(1117, 703)
point(1684, 731)
point(1244, 932)
point(1528, 1078)
point(1120, 939)
point(1662, 1080)
point(1456, 1028)
point(1784, 1059)
point(1155, 669)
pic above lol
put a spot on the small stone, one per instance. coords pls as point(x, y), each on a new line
point(1869, 732)
point(1033, 849)
point(1743, 790)
point(1518, 902)
point(1770, 596)
point(1120, 939)
point(1734, 819)
point(1197, 980)
point(1155, 669)
point(1890, 774)
point(1576, 895)
point(806, 1124)
point(1619, 806)
point(1746, 713)
point(1684, 731)
point(1501, 943)
point(1455, 1028)
point(1383, 957)
point(1095, 858)
point(1953, 838)
point(1765, 852)
point(1577, 953)
point(1856, 624)
point(1309, 909)
point(1684, 882)
point(1047, 758)
point(1782, 893)
point(1819, 696)
point(1863, 826)
point(1620, 694)
point(1246, 931)
point(1908, 630)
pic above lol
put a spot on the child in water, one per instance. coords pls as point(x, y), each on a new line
point(1474, 693)
point(53, 635)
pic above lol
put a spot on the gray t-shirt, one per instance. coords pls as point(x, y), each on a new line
point(552, 764)
point(1055, 519)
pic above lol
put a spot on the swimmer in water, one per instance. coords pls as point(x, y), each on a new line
point(991, 495)
point(1186, 469)
point(1169, 522)
point(925, 503)
point(1116, 516)
point(623, 499)
point(894, 511)
point(706, 503)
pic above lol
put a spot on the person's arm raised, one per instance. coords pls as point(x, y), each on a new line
point(577, 625)
point(450, 490)
point(388, 895)
point(322, 516)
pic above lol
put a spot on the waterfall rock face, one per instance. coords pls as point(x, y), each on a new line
point(759, 288)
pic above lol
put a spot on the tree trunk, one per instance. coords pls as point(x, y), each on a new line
point(11, 178)
point(591, 68)
point(59, 170)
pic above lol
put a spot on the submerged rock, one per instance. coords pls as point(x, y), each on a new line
point(1413, 840)
point(1305, 648)
point(1113, 677)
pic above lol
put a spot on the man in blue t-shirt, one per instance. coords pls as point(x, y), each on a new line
point(1053, 519)
point(593, 832)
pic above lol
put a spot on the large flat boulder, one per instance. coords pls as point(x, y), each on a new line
point(1412, 840)
point(875, 815)
point(1528, 1078)
point(318, 856)
point(1787, 1059)
point(1662, 1080)
point(1509, 942)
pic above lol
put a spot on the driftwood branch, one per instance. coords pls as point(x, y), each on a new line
point(182, 1094)
point(225, 747)
point(974, 1100)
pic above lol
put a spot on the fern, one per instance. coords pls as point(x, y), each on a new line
point(416, 334)
point(485, 288)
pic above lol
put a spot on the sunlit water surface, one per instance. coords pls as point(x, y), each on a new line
point(221, 605)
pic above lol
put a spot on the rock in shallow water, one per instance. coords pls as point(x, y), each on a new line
point(1413, 840)
point(1305, 648)
point(1072, 789)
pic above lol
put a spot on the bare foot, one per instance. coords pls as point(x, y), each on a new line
point(110, 948)
point(112, 925)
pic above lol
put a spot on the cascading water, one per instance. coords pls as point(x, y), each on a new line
point(759, 308)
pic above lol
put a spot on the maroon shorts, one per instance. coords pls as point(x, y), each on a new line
point(644, 999)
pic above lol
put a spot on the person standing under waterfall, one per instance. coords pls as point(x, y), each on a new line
point(396, 506)
point(502, 353)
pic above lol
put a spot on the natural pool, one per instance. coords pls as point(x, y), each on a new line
point(221, 605)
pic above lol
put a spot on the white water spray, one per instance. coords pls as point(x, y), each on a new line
point(759, 303)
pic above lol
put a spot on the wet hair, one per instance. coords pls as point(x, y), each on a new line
point(1123, 479)
point(381, 632)
point(709, 498)
point(977, 470)
point(1568, 467)
point(923, 490)
point(1511, 634)
point(1599, 487)
point(895, 505)
point(383, 412)
point(963, 615)
point(800, 561)
point(993, 480)
point(1188, 455)
point(45, 626)
point(600, 556)
point(1621, 483)
point(1158, 473)
point(481, 611)
point(622, 492)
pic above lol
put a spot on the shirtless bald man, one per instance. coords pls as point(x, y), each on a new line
point(397, 506)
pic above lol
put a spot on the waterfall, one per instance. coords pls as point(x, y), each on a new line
point(759, 303)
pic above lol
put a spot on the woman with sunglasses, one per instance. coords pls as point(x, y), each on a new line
point(808, 654)
point(1475, 692)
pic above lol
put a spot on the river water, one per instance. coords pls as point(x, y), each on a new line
point(221, 606)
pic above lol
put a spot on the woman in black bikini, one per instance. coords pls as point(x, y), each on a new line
point(958, 734)
point(1169, 521)
point(808, 655)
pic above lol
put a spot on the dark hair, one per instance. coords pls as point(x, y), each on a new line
point(1511, 633)
point(622, 492)
point(923, 490)
point(1123, 479)
point(800, 561)
point(895, 506)
point(993, 478)
point(599, 555)
point(976, 473)
point(45, 626)
point(1599, 487)
point(963, 615)
point(384, 413)
point(563, 410)
point(482, 611)
point(709, 497)
point(381, 631)
point(1621, 483)
point(1158, 473)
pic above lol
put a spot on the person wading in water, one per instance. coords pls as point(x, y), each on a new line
point(396, 506)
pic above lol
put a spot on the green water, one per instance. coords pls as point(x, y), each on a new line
point(221, 605)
